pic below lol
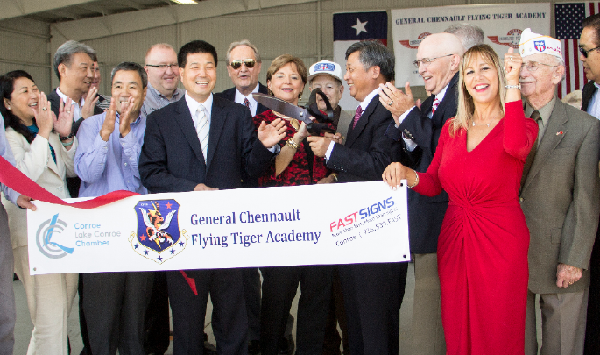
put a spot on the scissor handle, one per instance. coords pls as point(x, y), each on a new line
point(313, 108)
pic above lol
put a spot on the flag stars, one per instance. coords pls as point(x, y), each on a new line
point(360, 26)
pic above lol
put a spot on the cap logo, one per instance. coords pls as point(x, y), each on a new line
point(540, 45)
point(324, 67)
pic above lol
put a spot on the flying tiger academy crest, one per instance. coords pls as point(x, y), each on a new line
point(158, 237)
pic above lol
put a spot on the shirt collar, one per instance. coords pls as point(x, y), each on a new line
point(239, 97)
point(545, 111)
point(65, 97)
point(193, 104)
point(157, 93)
point(368, 99)
point(442, 93)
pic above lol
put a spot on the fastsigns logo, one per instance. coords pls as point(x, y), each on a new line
point(44, 238)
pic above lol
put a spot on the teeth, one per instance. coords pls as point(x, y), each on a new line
point(478, 87)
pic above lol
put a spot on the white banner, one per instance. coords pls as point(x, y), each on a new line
point(304, 225)
point(502, 25)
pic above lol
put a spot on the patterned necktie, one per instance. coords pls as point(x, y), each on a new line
point(535, 115)
point(246, 102)
point(201, 125)
point(436, 103)
point(359, 112)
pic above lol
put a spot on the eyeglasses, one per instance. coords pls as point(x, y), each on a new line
point(532, 65)
point(586, 53)
point(163, 66)
point(426, 61)
point(236, 64)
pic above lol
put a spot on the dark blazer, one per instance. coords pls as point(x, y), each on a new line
point(587, 92)
point(560, 198)
point(54, 100)
point(171, 159)
point(425, 214)
point(366, 153)
point(229, 94)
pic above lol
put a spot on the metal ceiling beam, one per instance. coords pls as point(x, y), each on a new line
point(12, 8)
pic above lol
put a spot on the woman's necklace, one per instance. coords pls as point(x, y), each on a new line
point(484, 124)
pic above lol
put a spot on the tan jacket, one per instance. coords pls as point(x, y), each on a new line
point(35, 161)
point(560, 198)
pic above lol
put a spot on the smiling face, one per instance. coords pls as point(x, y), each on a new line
point(126, 84)
point(539, 85)
point(591, 64)
point(164, 80)
point(199, 75)
point(480, 77)
point(79, 74)
point(287, 84)
point(245, 79)
point(438, 73)
point(332, 88)
point(361, 82)
point(23, 99)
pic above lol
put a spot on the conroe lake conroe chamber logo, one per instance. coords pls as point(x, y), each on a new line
point(44, 238)
point(158, 236)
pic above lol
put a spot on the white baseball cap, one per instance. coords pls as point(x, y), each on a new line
point(325, 67)
point(532, 43)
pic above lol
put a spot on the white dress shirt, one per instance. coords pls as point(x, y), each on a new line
point(76, 106)
point(239, 98)
point(594, 106)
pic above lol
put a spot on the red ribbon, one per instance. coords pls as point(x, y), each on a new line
point(16, 180)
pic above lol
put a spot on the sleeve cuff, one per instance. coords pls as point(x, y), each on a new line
point(329, 150)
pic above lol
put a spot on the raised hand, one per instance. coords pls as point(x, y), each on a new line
point(43, 116)
point(108, 126)
point(271, 134)
point(512, 66)
point(64, 122)
point(396, 101)
point(127, 116)
point(87, 109)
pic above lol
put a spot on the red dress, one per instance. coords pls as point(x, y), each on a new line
point(482, 248)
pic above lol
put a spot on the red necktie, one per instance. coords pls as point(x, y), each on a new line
point(246, 102)
point(359, 112)
point(436, 103)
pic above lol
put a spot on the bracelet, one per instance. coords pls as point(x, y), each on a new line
point(416, 180)
point(67, 144)
point(67, 137)
point(334, 177)
point(513, 86)
point(290, 143)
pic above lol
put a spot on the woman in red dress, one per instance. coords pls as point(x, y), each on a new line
point(294, 165)
point(482, 249)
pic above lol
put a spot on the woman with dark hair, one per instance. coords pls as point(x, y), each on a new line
point(294, 165)
point(44, 149)
point(483, 244)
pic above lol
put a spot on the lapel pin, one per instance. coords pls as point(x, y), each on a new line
point(559, 133)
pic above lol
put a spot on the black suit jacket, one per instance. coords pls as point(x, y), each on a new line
point(171, 159)
point(587, 92)
point(229, 94)
point(54, 100)
point(366, 153)
point(425, 214)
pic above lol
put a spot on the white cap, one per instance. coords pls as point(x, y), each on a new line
point(532, 43)
point(325, 67)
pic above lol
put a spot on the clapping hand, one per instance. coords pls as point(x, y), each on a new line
point(43, 116)
point(128, 116)
point(396, 101)
point(87, 109)
point(108, 126)
point(64, 122)
point(271, 134)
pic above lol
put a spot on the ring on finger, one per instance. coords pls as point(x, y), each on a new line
point(44, 109)
point(391, 102)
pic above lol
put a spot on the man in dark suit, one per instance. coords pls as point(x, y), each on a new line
point(590, 57)
point(202, 143)
point(416, 131)
point(372, 292)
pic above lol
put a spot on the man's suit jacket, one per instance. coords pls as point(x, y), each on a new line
point(425, 214)
point(587, 92)
point(171, 159)
point(366, 153)
point(54, 100)
point(560, 198)
point(229, 94)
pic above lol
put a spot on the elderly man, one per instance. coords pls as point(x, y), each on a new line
point(243, 67)
point(559, 196)
point(8, 313)
point(106, 160)
point(163, 77)
point(469, 35)
point(589, 43)
point(372, 292)
point(416, 131)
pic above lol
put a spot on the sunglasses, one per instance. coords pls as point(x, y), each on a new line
point(586, 53)
point(236, 64)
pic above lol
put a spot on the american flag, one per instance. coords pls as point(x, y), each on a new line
point(567, 19)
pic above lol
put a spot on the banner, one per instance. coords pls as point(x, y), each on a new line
point(502, 25)
point(362, 222)
point(349, 28)
point(567, 19)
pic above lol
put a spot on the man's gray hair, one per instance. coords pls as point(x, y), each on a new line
point(469, 35)
point(133, 67)
point(244, 42)
point(64, 54)
point(373, 53)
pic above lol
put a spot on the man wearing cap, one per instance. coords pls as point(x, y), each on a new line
point(559, 196)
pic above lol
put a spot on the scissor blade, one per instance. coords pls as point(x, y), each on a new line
point(282, 107)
